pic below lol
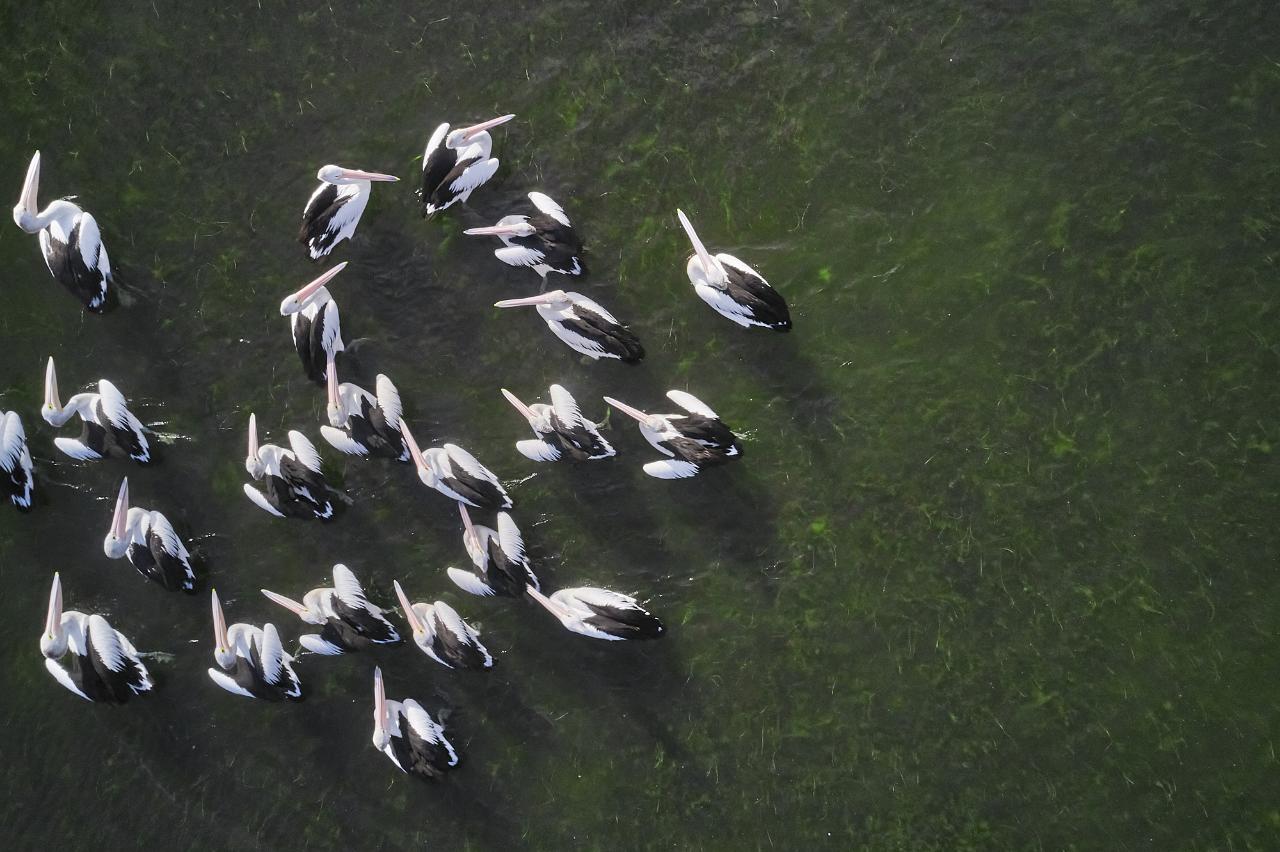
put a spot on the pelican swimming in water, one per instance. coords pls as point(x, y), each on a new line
point(350, 622)
point(108, 428)
point(457, 474)
point(736, 291)
point(295, 487)
point(404, 732)
point(545, 242)
point(442, 634)
point(251, 661)
point(361, 424)
point(561, 429)
point(103, 664)
point(693, 441)
point(600, 613)
point(499, 563)
point(70, 242)
point(315, 325)
point(149, 541)
point(583, 325)
point(456, 164)
point(17, 474)
point(334, 209)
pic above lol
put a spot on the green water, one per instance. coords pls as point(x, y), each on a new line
point(998, 569)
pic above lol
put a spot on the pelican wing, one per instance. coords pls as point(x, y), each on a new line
point(107, 643)
point(305, 451)
point(61, 676)
point(342, 442)
point(566, 407)
point(169, 540)
point(509, 538)
point(550, 208)
point(348, 587)
point(13, 441)
point(427, 728)
point(113, 404)
point(469, 464)
point(272, 654)
point(260, 500)
point(518, 255)
point(435, 145)
point(593, 596)
point(580, 300)
point(92, 251)
point(474, 175)
point(536, 450)
point(691, 404)
point(671, 469)
point(331, 338)
point(388, 400)
point(469, 582)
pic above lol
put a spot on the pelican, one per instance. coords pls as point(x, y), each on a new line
point(456, 164)
point(70, 242)
point(350, 622)
point(500, 566)
point(17, 479)
point(148, 540)
point(583, 325)
point(315, 324)
point(108, 428)
point(545, 241)
point(457, 474)
point(361, 424)
point(561, 430)
point(294, 485)
point(736, 291)
point(334, 209)
point(600, 613)
point(251, 661)
point(104, 665)
point(404, 732)
point(442, 634)
point(693, 441)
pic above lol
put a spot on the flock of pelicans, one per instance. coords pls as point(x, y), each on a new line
point(96, 662)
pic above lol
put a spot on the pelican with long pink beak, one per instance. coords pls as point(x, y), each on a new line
point(335, 208)
point(583, 325)
point(457, 163)
point(361, 424)
point(545, 241)
point(561, 429)
point(499, 565)
point(349, 621)
point(405, 733)
point(456, 474)
point(692, 441)
point(101, 664)
point(734, 290)
point(314, 324)
point(107, 427)
point(443, 636)
point(600, 613)
point(294, 485)
point(70, 242)
point(251, 660)
point(150, 543)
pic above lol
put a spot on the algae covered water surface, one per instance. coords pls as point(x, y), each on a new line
point(998, 567)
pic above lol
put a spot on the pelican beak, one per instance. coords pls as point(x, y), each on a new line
point(219, 624)
point(703, 255)
point(331, 379)
point(413, 446)
point(410, 616)
point(626, 409)
point(253, 437)
point(51, 401)
point(466, 521)
point(540, 299)
point(520, 406)
point(120, 519)
point(493, 231)
point(477, 129)
point(379, 705)
point(53, 621)
point(30, 187)
point(292, 302)
point(357, 174)
point(288, 603)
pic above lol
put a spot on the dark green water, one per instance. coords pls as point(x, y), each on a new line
point(997, 571)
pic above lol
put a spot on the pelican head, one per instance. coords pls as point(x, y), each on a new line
point(222, 652)
point(53, 642)
point(339, 175)
point(466, 135)
point(253, 462)
point(24, 212)
point(295, 302)
point(508, 226)
point(334, 407)
point(471, 537)
point(702, 267)
point(52, 404)
point(381, 727)
point(308, 614)
point(425, 473)
point(554, 299)
point(116, 544)
point(648, 421)
point(538, 415)
point(419, 629)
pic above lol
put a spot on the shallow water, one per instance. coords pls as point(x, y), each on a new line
point(997, 570)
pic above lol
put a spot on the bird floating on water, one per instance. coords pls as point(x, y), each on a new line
point(456, 164)
point(693, 441)
point(151, 544)
point(70, 241)
point(561, 429)
point(600, 613)
point(350, 622)
point(361, 424)
point(457, 474)
point(442, 634)
point(404, 732)
point(736, 291)
point(17, 474)
point(315, 324)
point(108, 428)
point(583, 325)
point(500, 566)
point(334, 209)
point(103, 664)
point(545, 242)
point(251, 660)
point(295, 487)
